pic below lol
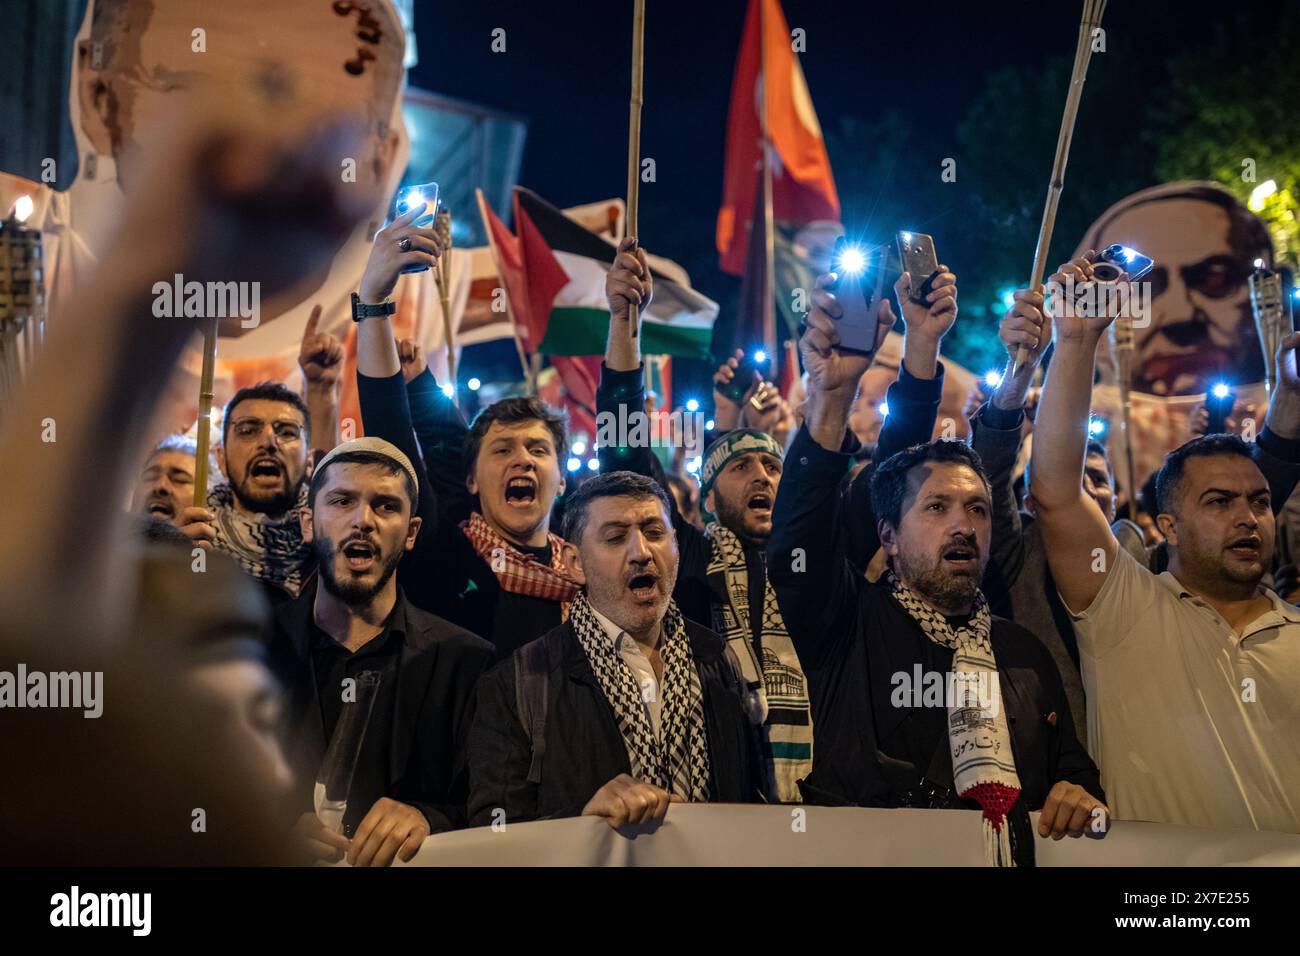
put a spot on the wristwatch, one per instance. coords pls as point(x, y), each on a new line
point(362, 310)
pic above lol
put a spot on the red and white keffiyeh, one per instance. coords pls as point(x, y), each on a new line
point(521, 573)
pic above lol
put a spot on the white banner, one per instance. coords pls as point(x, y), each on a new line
point(736, 835)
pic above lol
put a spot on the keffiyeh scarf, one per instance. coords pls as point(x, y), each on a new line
point(521, 573)
point(270, 548)
point(678, 759)
point(982, 763)
point(777, 690)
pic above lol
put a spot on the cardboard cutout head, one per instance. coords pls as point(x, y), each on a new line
point(1204, 242)
point(139, 52)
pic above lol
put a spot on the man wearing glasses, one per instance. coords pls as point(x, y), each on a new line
point(253, 516)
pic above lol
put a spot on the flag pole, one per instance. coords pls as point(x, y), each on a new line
point(496, 260)
point(204, 430)
point(442, 279)
point(634, 140)
point(1091, 20)
point(1122, 331)
point(769, 237)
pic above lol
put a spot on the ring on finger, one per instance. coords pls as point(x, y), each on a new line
point(404, 243)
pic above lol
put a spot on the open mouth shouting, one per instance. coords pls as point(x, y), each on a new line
point(266, 472)
point(760, 502)
point(360, 555)
point(962, 558)
point(521, 491)
point(643, 586)
point(1246, 548)
point(162, 507)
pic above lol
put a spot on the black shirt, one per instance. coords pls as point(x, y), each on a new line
point(333, 664)
point(875, 747)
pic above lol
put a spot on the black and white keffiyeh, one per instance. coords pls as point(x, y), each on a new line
point(983, 767)
point(678, 759)
point(270, 548)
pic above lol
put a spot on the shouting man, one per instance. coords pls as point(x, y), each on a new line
point(625, 707)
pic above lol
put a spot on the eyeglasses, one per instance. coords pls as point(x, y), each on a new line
point(249, 428)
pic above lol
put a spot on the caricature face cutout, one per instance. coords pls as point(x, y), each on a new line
point(1201, 328)
point(141, 53)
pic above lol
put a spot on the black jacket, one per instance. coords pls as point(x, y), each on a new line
point(439, 666)
point(584, 748)
point(443, 574)
point(853, 638)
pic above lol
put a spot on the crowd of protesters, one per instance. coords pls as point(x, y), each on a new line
point(770, 631)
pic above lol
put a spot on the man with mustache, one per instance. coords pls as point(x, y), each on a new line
point(627, 706)
point(724, 577)
point(253, 516)
point(1192, 675)
point(410, 778)
point(1007, 750)
point(166, 486)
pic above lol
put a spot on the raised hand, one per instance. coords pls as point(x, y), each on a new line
point(321, 354)
point(828, 368)
point(1027, 324)
point(628, 281)
point(1065, 282)
point(727, 412)
point(411, 355)
point(399, 245)
point(934, 318)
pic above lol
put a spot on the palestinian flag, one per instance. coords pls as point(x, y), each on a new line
point(678, 322)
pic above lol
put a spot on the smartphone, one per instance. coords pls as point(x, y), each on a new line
point(859, 287)
point(413, 195)
point(753, 361)
point(1218, 404)
point(1116, 259)
point(916, 253)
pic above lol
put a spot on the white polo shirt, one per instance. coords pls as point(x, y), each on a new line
point(1190, 722)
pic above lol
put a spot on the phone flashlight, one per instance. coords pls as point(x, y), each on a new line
point(853, 261)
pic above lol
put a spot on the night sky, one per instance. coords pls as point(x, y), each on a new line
point(566, 70)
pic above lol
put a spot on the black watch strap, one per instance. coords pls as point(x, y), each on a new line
point(362, 310)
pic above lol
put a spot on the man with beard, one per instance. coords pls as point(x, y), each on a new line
point(724, 576)
point(627, 706)
point(870, 650)
point(254, 516)
point(166, 486)
point(1192, 675)
point(488, 560)
point(410, 777)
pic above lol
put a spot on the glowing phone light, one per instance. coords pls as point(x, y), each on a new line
point(474, 384)
point(993, 379)
point(760, 356)
point(693, 405)
point(853, 261)
point(1220, 390)
point(883, 408)
point(575, 464)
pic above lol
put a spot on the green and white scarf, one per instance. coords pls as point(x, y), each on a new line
point(777, 690)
